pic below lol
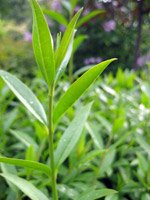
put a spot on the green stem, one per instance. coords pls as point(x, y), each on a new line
point(51, 144)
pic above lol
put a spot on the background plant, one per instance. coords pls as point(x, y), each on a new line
point(51, 64)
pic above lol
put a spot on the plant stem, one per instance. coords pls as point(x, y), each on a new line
point(51, 145)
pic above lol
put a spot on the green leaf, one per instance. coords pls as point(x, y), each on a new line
point(89, 16)
point(24, 138)
point(58, 39)
point(56, 16)
point(91, 155)
point(27, 164)
point(25, 95)
point(78, 88)
point(105, 123)
point(68, 35)
point(71, 135)
point(77, 41)
point(107, 162)
point(25, 186)
point(73, 3)
point(66, 59)
point(95, 136)
point(82, 70)
point(43, 44)
point(143, 143)
point(6, 168)
point(67, 6)
point(92, 194)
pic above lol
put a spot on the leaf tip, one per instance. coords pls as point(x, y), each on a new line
point(113, 59)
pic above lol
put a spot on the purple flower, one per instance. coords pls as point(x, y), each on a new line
point(92, 60)
point(99, 5)
point(143, 59)
point(56, 5)
point(50, 23)
point(109, 26)
point(115, 3)
point(86, 11)
point(27, 36)
point(140, 61)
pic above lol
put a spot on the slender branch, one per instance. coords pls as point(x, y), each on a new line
point(51, 144)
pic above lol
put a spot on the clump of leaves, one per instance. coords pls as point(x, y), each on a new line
point(52, 62)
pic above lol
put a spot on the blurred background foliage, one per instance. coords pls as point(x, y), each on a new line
point(120, 30)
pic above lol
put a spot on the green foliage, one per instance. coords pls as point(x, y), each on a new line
point(15, 51)
point(68, 35)
point(78, 88)
point(25, 95)
point(71, 135)
point(26, 163)
point(43, 44)
point(90, 149)
point(49, 61)
point(30, 190)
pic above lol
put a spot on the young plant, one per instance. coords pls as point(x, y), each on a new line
point(51, 64)
point(70, 7)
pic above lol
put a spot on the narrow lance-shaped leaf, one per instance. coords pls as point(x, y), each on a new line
point(24, 138)
point(25, 95)
point(27, 164)
point(77, 41)
point(71, 135)
point(43, 44)
point(25, 186)
point(62, 49)
point(89, 16)
point(66, 59)
point(73, 3)
point(143, 143)
point(92, 194)
point(78, 88)
point(56, 16)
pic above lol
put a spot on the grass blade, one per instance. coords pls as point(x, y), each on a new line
point(25, 95)
point(78, 88)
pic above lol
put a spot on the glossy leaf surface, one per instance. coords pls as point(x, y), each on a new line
point(27, 164)
point(92, 194)
point(67, 37)
point(71, 135)
point(43, 44)
point(25, 186)
point(66, 59)
point(78, 88)
point(25, 95)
